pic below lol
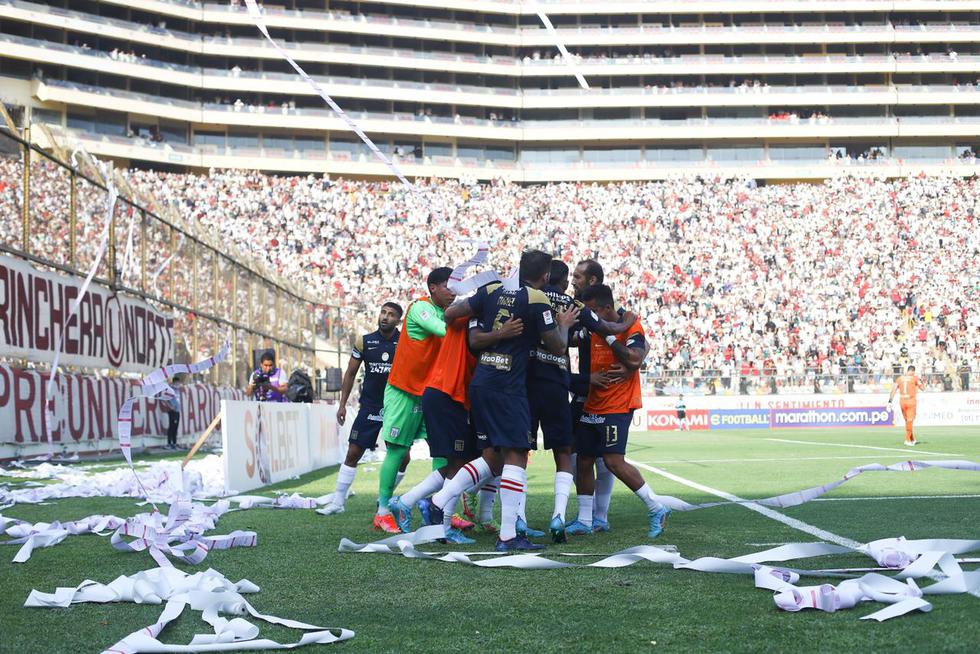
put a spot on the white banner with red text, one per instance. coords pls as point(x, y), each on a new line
point(268, 442)
point(715, 412)
point(110, 330)
point(85, 412)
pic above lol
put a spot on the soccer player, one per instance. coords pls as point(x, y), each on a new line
point(421, 335)
point(907, 386)
point(548, 387)
point(376, 350)
point(498, 391)
point(609, 412)
point(682, 414)
point(589, 273)
point(446, 411)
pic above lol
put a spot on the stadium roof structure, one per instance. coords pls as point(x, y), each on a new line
point(790, 89)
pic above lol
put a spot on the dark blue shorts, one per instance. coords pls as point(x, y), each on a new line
point(603, 433)
point(366, 427)
point(447, 423)
point(551, 411)
point(503, 420)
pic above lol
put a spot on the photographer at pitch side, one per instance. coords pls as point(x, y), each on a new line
point(268, 383)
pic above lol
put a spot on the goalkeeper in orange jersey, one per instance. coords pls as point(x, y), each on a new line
point(907, 386)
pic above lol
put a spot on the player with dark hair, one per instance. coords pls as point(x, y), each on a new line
point(377, 351)
point(548, 388)
point(609, 413)
point(449, 429)
point(589, 273)
point(418, 346)
point(498, 391)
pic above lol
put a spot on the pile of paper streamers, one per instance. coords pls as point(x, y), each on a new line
point(182, 535)
point(208, 592)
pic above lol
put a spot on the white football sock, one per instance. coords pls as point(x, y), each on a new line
point(345, 477)
point(512, 485)
point(585, 510)
point(645, 493)
point(431, 484)
point(488, 495)
point(474, 472)
point(563, 486)
point(604, 482)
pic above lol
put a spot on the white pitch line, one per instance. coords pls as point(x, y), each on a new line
point(906, 450)
point(799, 525)
point(795, 458)
point(893, 497)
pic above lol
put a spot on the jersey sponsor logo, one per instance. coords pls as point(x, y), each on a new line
point(379, 368)
point(480, 436)
point(592, 419)
point(496, 360)
point(547, 357)
point(376, 417)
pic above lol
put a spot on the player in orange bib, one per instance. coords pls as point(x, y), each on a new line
point(607, 415)
point(907, 386)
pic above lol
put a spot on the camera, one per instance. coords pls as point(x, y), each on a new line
point(259, 378)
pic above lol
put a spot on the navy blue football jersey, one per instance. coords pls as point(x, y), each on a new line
point(550, 367)
point(377, 353)
point(504, 366)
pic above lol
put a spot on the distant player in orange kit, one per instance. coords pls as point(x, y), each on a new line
point(907, 386)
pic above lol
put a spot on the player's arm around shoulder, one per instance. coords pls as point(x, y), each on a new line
point(553, 328)
point(633, 351)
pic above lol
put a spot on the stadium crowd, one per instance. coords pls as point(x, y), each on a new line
point(802, 282)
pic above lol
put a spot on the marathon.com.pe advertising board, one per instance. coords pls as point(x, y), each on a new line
point(805, 411)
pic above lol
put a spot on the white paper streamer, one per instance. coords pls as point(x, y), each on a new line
point(209, 592)
point(462, 285)
point(155, 385)
point(437, 212)
point(565, 54)
point(113, 194)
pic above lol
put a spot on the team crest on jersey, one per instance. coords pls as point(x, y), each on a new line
point(460, 445)
point(384, 356)
point(353, 435)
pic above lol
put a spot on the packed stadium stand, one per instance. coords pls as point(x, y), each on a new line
point(695, 110)
point(775, 89)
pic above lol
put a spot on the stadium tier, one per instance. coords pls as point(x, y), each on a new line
point(787, 89)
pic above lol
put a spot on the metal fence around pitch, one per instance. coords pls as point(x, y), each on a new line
point(52, 213)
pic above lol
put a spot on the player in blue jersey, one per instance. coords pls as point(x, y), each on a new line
point(589, 273)
point(548, 387)
point(498, 391)
point(376, 351)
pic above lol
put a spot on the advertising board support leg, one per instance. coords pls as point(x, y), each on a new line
point(201, 440)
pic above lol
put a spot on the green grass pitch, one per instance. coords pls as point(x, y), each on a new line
point(400, 605)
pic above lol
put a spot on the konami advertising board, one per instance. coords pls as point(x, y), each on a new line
point(803, 411)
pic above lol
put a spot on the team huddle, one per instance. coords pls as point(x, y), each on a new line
point(477, 379)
